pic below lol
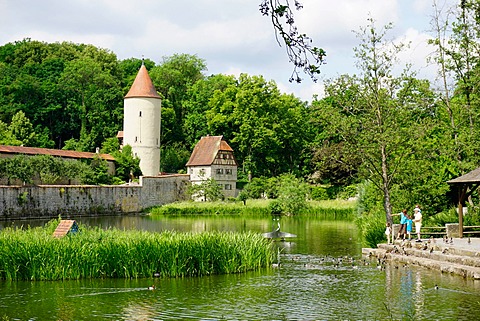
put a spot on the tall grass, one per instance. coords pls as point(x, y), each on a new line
point(330, 209)
point(34, 254)
point(257, 207)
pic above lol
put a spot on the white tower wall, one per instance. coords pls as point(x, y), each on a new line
point(141, 130)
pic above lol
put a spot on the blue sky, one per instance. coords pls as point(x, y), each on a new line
point(231, 35)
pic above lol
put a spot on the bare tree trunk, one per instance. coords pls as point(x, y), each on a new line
point(385, 187)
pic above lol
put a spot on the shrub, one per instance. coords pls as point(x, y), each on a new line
point(318, 193)
point(372, 227)
point(292, 194)
point(275, 208)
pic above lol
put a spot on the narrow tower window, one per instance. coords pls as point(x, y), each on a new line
point(140, 114)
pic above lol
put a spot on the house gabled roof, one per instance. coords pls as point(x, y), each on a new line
point(142, 86)
point(4, 149)
point(207, 149)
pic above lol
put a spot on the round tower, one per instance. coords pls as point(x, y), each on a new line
point(141, 122)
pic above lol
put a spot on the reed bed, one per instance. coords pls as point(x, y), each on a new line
point(253, 207)
point(328, 209)
point(34, 254)
point(331, 210)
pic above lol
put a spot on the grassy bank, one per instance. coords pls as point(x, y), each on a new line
point(34, 254)
point(331, 209)
point(257, 207)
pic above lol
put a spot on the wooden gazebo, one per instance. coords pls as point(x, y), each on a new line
point(466, 185)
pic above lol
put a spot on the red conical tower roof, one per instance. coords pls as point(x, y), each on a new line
point(143, 86)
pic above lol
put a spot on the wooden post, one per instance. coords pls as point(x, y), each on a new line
point(461, 198)
point(460, 219)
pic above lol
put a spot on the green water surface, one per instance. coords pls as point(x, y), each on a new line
point(322, 276)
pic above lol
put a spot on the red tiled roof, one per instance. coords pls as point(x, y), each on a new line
point(54, 152)
point(206, 149)
point(142, 86)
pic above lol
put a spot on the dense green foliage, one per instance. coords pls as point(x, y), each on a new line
point(34, 254)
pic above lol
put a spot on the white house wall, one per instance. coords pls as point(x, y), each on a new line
point(227, 182)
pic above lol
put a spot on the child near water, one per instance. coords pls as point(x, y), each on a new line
point(388, 232)
point(409, 226)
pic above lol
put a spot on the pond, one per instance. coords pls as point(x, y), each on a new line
point(322, 276)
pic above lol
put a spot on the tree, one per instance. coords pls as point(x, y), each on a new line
point(457, 43)
point(172, 78)
point(97, 173)
point(207, 190)
point(197, 104)
point(126, 164)
point(375, 121)
point(94, 95)
point(41, 80)
point(292, 194)
point(268, 130)
point(22, 129)
point(298, 45)
point(174, 158)
point(6, 136)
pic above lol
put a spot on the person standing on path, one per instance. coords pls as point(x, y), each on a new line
point(417, 218)
point(403, 223)
point(388, 232)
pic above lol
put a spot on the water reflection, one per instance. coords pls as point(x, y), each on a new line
point(322, 276)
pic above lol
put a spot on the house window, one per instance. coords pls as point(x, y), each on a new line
point(228, 171)
point(219, 170)
point(228, 186)
point(201, 172)
point(191, 170)
point(136, 139)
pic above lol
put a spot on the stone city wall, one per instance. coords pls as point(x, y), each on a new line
point(47, 201)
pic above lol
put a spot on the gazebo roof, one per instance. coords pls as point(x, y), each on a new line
point(472, 177)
